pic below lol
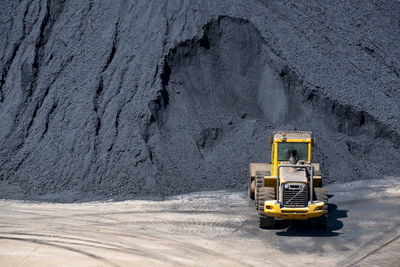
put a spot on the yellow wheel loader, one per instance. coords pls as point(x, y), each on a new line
point(290, 188)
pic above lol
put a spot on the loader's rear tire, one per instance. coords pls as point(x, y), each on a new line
point(252, 188)
point(259, 184)
point(321, 194)
point(265, 193)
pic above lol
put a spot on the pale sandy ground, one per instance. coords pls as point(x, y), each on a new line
point(203, 229)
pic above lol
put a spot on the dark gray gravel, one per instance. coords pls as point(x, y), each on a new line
point(150, 98)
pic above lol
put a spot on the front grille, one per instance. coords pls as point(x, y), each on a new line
point(295, 195)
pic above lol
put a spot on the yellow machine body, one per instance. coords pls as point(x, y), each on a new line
point(302, 172)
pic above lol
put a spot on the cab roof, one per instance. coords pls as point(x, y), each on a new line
point(292, 135)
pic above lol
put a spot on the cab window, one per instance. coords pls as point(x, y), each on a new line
point(300, 150)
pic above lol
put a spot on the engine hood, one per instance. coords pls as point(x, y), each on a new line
point(293, 175)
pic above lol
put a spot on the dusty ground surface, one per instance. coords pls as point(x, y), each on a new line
point(202, 229)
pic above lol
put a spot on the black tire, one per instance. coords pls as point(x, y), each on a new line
point(321, 194)
point(259, 184)
point(252, 187)
point(265, 193)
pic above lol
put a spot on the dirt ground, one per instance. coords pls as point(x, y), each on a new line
point(217, 228)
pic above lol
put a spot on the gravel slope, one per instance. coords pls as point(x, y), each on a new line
point(150, 98)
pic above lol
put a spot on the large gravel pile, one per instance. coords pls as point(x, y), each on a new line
point(149, 98)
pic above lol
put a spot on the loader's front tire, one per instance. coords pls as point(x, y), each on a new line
point(265, 193)
point(321, 194)
point(259, 184)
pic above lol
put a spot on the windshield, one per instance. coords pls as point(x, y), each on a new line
point(298, 149)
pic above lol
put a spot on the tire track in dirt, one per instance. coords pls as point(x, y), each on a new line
point(79, 251)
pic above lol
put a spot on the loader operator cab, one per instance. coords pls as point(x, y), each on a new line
point(290, 148)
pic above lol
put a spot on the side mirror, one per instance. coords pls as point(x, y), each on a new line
point(313, 142)
point(270, 140)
